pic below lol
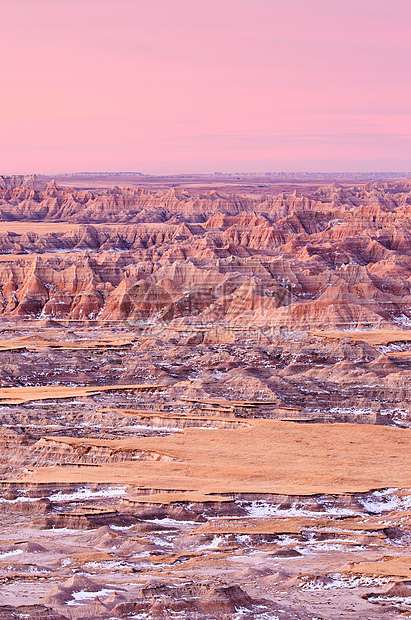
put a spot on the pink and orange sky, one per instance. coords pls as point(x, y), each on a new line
point(172, 86)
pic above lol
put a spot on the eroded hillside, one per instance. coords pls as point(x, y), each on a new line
point(204, 403)
point(339, 258)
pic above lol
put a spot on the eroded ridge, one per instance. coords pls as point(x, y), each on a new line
point(204, 403)
point(115, 551)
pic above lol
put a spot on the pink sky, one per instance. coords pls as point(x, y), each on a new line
point(170, 86)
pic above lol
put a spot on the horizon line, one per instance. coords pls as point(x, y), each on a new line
point(215, 174)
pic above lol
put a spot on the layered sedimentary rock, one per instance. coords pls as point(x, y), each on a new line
point(338, 258)
point(172, 369)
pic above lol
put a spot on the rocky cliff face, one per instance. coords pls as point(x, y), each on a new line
point(339, 258)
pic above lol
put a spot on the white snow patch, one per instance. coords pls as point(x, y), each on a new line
point(19, 499)
point(172, 522)
point(376, 502)
point(105, 565)
point(214, 544)
point(259, 509)
point(85, 493)
point(351, 582)
point(385, 500)
point(7, 554)
point(83, 595)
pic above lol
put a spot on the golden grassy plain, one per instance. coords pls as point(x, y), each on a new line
point(35, 343)
point(266, 456)
point(43, 228)
point(21, 395)
point(374, 337)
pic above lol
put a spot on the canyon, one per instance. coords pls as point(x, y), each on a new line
point(205, 399)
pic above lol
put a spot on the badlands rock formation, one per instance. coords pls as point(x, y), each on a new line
point(336, 259)
point(204, 403)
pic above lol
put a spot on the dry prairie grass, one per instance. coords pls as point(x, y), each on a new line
point(21, 395)
point(267, 456)
point(375, 337)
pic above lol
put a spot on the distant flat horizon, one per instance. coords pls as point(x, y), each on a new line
point(298, 174)
point(251, 183)
point(290, 174)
